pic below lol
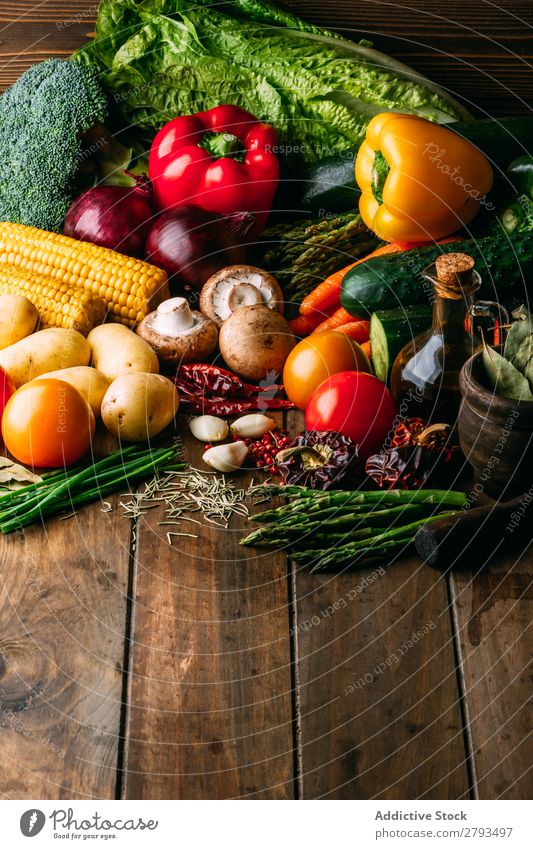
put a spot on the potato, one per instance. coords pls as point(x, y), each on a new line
point(117, 350)
point(18, 318)
point(89, 382)
point(46, 350)
point(139, 406)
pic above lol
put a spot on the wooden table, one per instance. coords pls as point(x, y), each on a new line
point(131, 668)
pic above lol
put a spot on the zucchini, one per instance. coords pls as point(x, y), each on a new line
point(331, 186)
point(390, 330)
point(504, 262)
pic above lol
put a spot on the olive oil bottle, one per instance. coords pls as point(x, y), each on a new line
point(425, 374)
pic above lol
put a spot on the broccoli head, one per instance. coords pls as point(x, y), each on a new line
point(43, 117)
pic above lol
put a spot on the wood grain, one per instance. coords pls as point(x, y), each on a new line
point(380, 717)
point(480, 51)
point(245, 678)
point(494, 606)
point(379, 708)
point(63, 602)
point(209, 712)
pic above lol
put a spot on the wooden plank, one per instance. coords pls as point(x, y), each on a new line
point(210, 672)
point(481, 52)
point(63, 597)
point(378, 694)
point(494, 614)
point(380, 717)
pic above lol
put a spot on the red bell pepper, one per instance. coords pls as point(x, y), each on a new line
point(220, 160)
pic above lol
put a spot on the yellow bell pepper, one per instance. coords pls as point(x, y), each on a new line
point(419, 180)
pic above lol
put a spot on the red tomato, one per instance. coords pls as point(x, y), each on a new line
point(355, 404)
point(7, 389)
point(47, 423)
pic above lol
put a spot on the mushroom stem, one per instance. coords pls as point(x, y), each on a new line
point(242, 295)
point(173, 317)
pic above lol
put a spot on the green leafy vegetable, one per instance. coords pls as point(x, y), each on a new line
point(520, 331)
point(504, 378)
point(161, 58)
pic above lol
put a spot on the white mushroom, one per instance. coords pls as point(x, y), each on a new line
point(178, 334)
point(239, 286)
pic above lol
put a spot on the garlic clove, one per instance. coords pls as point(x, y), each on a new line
point(253, 425)
point(226, 458)
point(209, 428)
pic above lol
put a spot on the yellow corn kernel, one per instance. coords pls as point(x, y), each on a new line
point(79, 310)
point(85, 267)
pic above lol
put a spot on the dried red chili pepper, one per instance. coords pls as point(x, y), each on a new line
point(406, 467)
point(416, 450)
point(212, 390)
point(221, 382)
point(229, 406)
point(406, 431)
point(317, 459)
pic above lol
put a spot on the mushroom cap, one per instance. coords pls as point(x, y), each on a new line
point(190, 346)
point(255, 341)
point(248, 277)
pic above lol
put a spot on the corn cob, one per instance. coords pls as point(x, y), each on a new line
point(130, 288)
point(57, 303)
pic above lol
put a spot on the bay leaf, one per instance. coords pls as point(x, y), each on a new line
point(14, 473)
point(519, 333)
point(504, 378)
point(523, 354)
point(521, 312)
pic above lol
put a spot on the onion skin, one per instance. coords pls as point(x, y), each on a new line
point(191, 245)
point(116, 217)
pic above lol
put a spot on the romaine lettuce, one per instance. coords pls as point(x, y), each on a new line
point(162, 58)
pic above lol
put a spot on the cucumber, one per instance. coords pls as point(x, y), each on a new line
point(390, 330)
point(504, 262)
point(331, 186)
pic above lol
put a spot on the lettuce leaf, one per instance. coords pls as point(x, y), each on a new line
point(162, 58)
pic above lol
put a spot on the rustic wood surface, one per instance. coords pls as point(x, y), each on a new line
point(135, 669)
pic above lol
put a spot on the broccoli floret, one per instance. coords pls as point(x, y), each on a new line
point(42, 119)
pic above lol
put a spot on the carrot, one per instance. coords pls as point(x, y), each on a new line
point(339, 317)
point(328, 292)
point(359, 331)
point(303, 325)
point(366, 348)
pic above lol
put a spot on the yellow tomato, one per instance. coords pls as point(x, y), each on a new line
point(47, 423)
point(318, 357)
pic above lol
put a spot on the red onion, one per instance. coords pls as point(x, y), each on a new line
point(191, 244)
point(116, 217)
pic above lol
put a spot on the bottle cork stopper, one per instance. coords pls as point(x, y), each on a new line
point(454, 269)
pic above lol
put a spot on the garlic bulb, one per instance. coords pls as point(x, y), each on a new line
point(209, 428)
point(226, 458)
point(253, 425)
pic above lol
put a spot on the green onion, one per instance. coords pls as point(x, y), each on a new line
point(69, 488)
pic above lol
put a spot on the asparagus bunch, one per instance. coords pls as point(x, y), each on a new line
point(69, 488)
point(342, 528)
point(304, 253)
